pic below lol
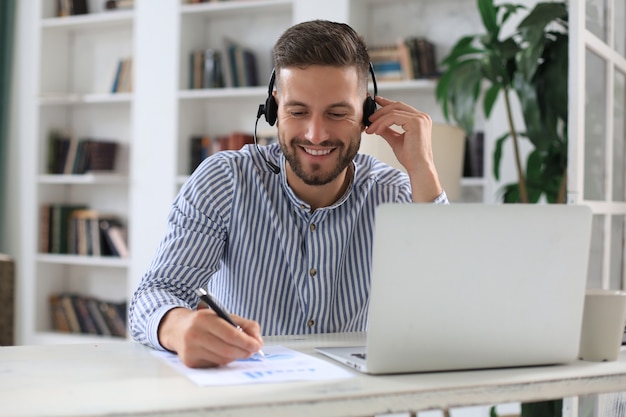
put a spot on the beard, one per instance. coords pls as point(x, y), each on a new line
point(316, 175)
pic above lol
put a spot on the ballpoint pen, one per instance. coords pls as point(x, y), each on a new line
point(219, 310)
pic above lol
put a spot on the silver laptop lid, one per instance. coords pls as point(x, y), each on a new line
point(469, 286)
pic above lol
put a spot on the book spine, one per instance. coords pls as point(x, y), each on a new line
point(98, 318)
point(86, 321)
point(60, 321)
point(70, 313)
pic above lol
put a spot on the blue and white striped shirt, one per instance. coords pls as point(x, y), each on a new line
point(239, 228)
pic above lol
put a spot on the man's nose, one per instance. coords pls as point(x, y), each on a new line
point(316, 129)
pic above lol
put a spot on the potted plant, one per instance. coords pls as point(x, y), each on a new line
point(532, 63)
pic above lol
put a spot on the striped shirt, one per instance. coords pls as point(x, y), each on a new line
point(239, 229)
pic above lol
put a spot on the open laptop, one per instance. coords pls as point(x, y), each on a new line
point(473, 286)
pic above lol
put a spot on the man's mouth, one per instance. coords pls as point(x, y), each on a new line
point(317, 152)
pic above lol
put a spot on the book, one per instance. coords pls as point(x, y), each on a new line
point(96, 314)
point(70, 312)
point(60, 321)
point(114, 236)
point(85, 233)
point(123, 76)
point(85, 319)
point(115, 317)
point(116, 76)
point(240, 65)
point(426, 57)
point(101, 155)
point(69, 155)
point(406, 61)
point(198, 69)
point(78, 313)
point(387, 63)
point(119, 4)
point(126, 77)
point(58, 147)
point(72, 7)
point(200, 148)
point(68, 166)
point(213, 76)
point(80, 7)
point(237, 140)
point(44, 228)
point(60, 214)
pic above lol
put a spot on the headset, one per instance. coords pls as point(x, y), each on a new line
point(269, 109)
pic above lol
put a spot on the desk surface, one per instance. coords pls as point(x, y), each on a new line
point(124, 378)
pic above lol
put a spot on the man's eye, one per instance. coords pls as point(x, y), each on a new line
point(297, 113)
point(338, 115)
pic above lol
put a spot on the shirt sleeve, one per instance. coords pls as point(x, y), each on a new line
point(188, 255)
point(441, 198)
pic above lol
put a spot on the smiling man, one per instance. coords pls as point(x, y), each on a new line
point(282, 235)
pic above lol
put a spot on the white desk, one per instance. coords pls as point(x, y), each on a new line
point(126, 379)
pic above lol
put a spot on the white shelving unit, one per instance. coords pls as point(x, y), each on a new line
point(75, 59)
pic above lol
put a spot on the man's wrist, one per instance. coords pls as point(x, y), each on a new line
point(168, 326)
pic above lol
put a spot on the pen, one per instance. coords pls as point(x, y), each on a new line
point(219, 310)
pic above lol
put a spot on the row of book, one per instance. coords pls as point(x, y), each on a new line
point(69, 155)
point(233, 66)
point(74, 313)
point(72, 7)
point(203, 146)
point(407, 59)
point(119, 4)
point(74, 229)
point(123, 78)
point(204, 1)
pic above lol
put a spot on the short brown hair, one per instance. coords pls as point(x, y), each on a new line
point(321, 42)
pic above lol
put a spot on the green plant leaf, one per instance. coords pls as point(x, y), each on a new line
point(552, 76)
point(545, 13)
point(508, 11)
point(462, 48)
point(497, 155)
point(528, 59)
point(510, 193)
point(534, 164)
point(489, 16)
point(441, 93)
point(527, 96)
point(489, 99)
point(459, 93)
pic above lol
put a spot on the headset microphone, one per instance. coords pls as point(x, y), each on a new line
point(270, 110)
point(272, 166)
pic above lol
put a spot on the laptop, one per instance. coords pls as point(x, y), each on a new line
point(473, 286)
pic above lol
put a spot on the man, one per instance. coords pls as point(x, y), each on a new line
point(286, 249)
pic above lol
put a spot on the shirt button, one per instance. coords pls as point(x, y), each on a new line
point(302, 206)
point(313, 272)
point(310, 323)
point(312, 227)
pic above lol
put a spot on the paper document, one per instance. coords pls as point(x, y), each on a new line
point(280, 364)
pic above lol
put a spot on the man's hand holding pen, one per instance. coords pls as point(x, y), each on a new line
point(203, 339)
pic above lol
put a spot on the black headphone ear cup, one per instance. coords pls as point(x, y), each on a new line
point(271, 110)
point(369, 107)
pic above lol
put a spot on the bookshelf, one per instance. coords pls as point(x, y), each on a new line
point(74, 61)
